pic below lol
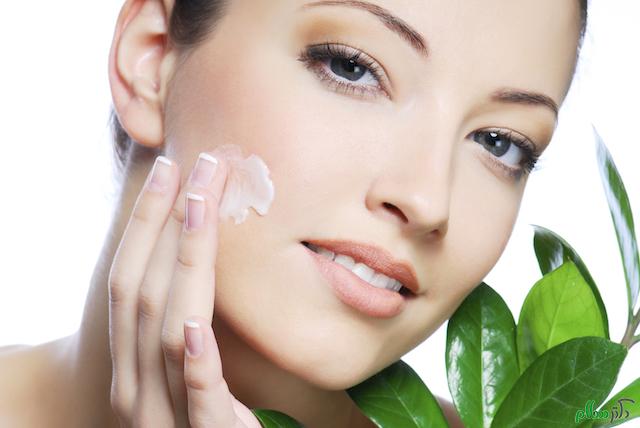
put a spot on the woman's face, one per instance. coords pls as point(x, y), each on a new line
point(398, 154)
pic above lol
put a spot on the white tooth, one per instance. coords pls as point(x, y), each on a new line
point(381, 281)
point(345, 261)
point(396, 285)
point(325, 252)
point(363, 271)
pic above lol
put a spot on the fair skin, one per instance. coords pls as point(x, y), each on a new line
point(400, 167)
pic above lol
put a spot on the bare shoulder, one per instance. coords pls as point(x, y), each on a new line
point(5, 349)
point(27, 373)
point(13, 372)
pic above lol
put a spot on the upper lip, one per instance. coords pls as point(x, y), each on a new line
point(375, 257)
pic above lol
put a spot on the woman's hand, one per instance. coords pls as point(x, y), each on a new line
point(163, 273)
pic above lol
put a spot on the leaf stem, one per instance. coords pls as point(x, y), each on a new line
point(629, 339)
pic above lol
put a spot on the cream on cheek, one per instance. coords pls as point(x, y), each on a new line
point(248, 184)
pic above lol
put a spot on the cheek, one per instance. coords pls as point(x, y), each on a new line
point(484, 212)
point(237, 103)
point(482, 215)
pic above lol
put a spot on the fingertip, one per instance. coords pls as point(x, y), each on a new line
point(193, 338)
point(160, 177)
point(209, 341)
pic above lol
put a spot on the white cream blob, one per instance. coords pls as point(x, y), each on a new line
point(248, 184)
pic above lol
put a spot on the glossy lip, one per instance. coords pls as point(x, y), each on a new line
point(375, 257)
point(357, 293)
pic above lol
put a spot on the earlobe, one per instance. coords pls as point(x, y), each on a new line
point(137, 75)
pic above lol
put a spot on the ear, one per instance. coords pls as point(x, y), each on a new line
point(140, 65)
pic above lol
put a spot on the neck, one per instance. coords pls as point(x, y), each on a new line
point(253, 379)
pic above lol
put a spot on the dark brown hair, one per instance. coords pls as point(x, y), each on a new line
point(191, 23)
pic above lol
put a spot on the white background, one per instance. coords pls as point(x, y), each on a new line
point(58, 187)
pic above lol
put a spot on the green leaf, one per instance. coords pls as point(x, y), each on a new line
point(481, 358)
point(559, 382)
point(622, 217)
point(631, 392)
point(552, 251)
point(274, 419)
point(560, 306)
point(397, 397)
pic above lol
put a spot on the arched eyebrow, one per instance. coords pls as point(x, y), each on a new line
point(520, 96)
point(395, 24)
point(420, 45)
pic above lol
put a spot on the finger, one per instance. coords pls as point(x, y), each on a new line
point(210, 402)
point(155, 405)
point(127, 271)
point(155, 401)
point(192, 287)
point(193, 283)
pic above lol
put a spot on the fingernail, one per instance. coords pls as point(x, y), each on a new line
point(194, 208)
point(160, 174)
point(204, 170)
point(193, 337)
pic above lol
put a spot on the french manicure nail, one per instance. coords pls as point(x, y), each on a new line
point(194, 216)
point(193, 337)
point(204, 170)
point(160, 174)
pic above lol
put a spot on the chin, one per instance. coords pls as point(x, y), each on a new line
point(339, 375)
point(334, 376)
point(331, 368)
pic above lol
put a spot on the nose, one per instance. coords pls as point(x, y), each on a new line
point(415, 194)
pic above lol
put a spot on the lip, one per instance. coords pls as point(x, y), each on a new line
point(357, 293)
point(375, 257)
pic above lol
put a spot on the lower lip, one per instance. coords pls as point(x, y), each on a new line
point(358, 293)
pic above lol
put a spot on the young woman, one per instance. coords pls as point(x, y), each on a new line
point(400, 133)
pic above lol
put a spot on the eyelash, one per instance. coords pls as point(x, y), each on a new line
point(530, 153)
point(313, 55)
